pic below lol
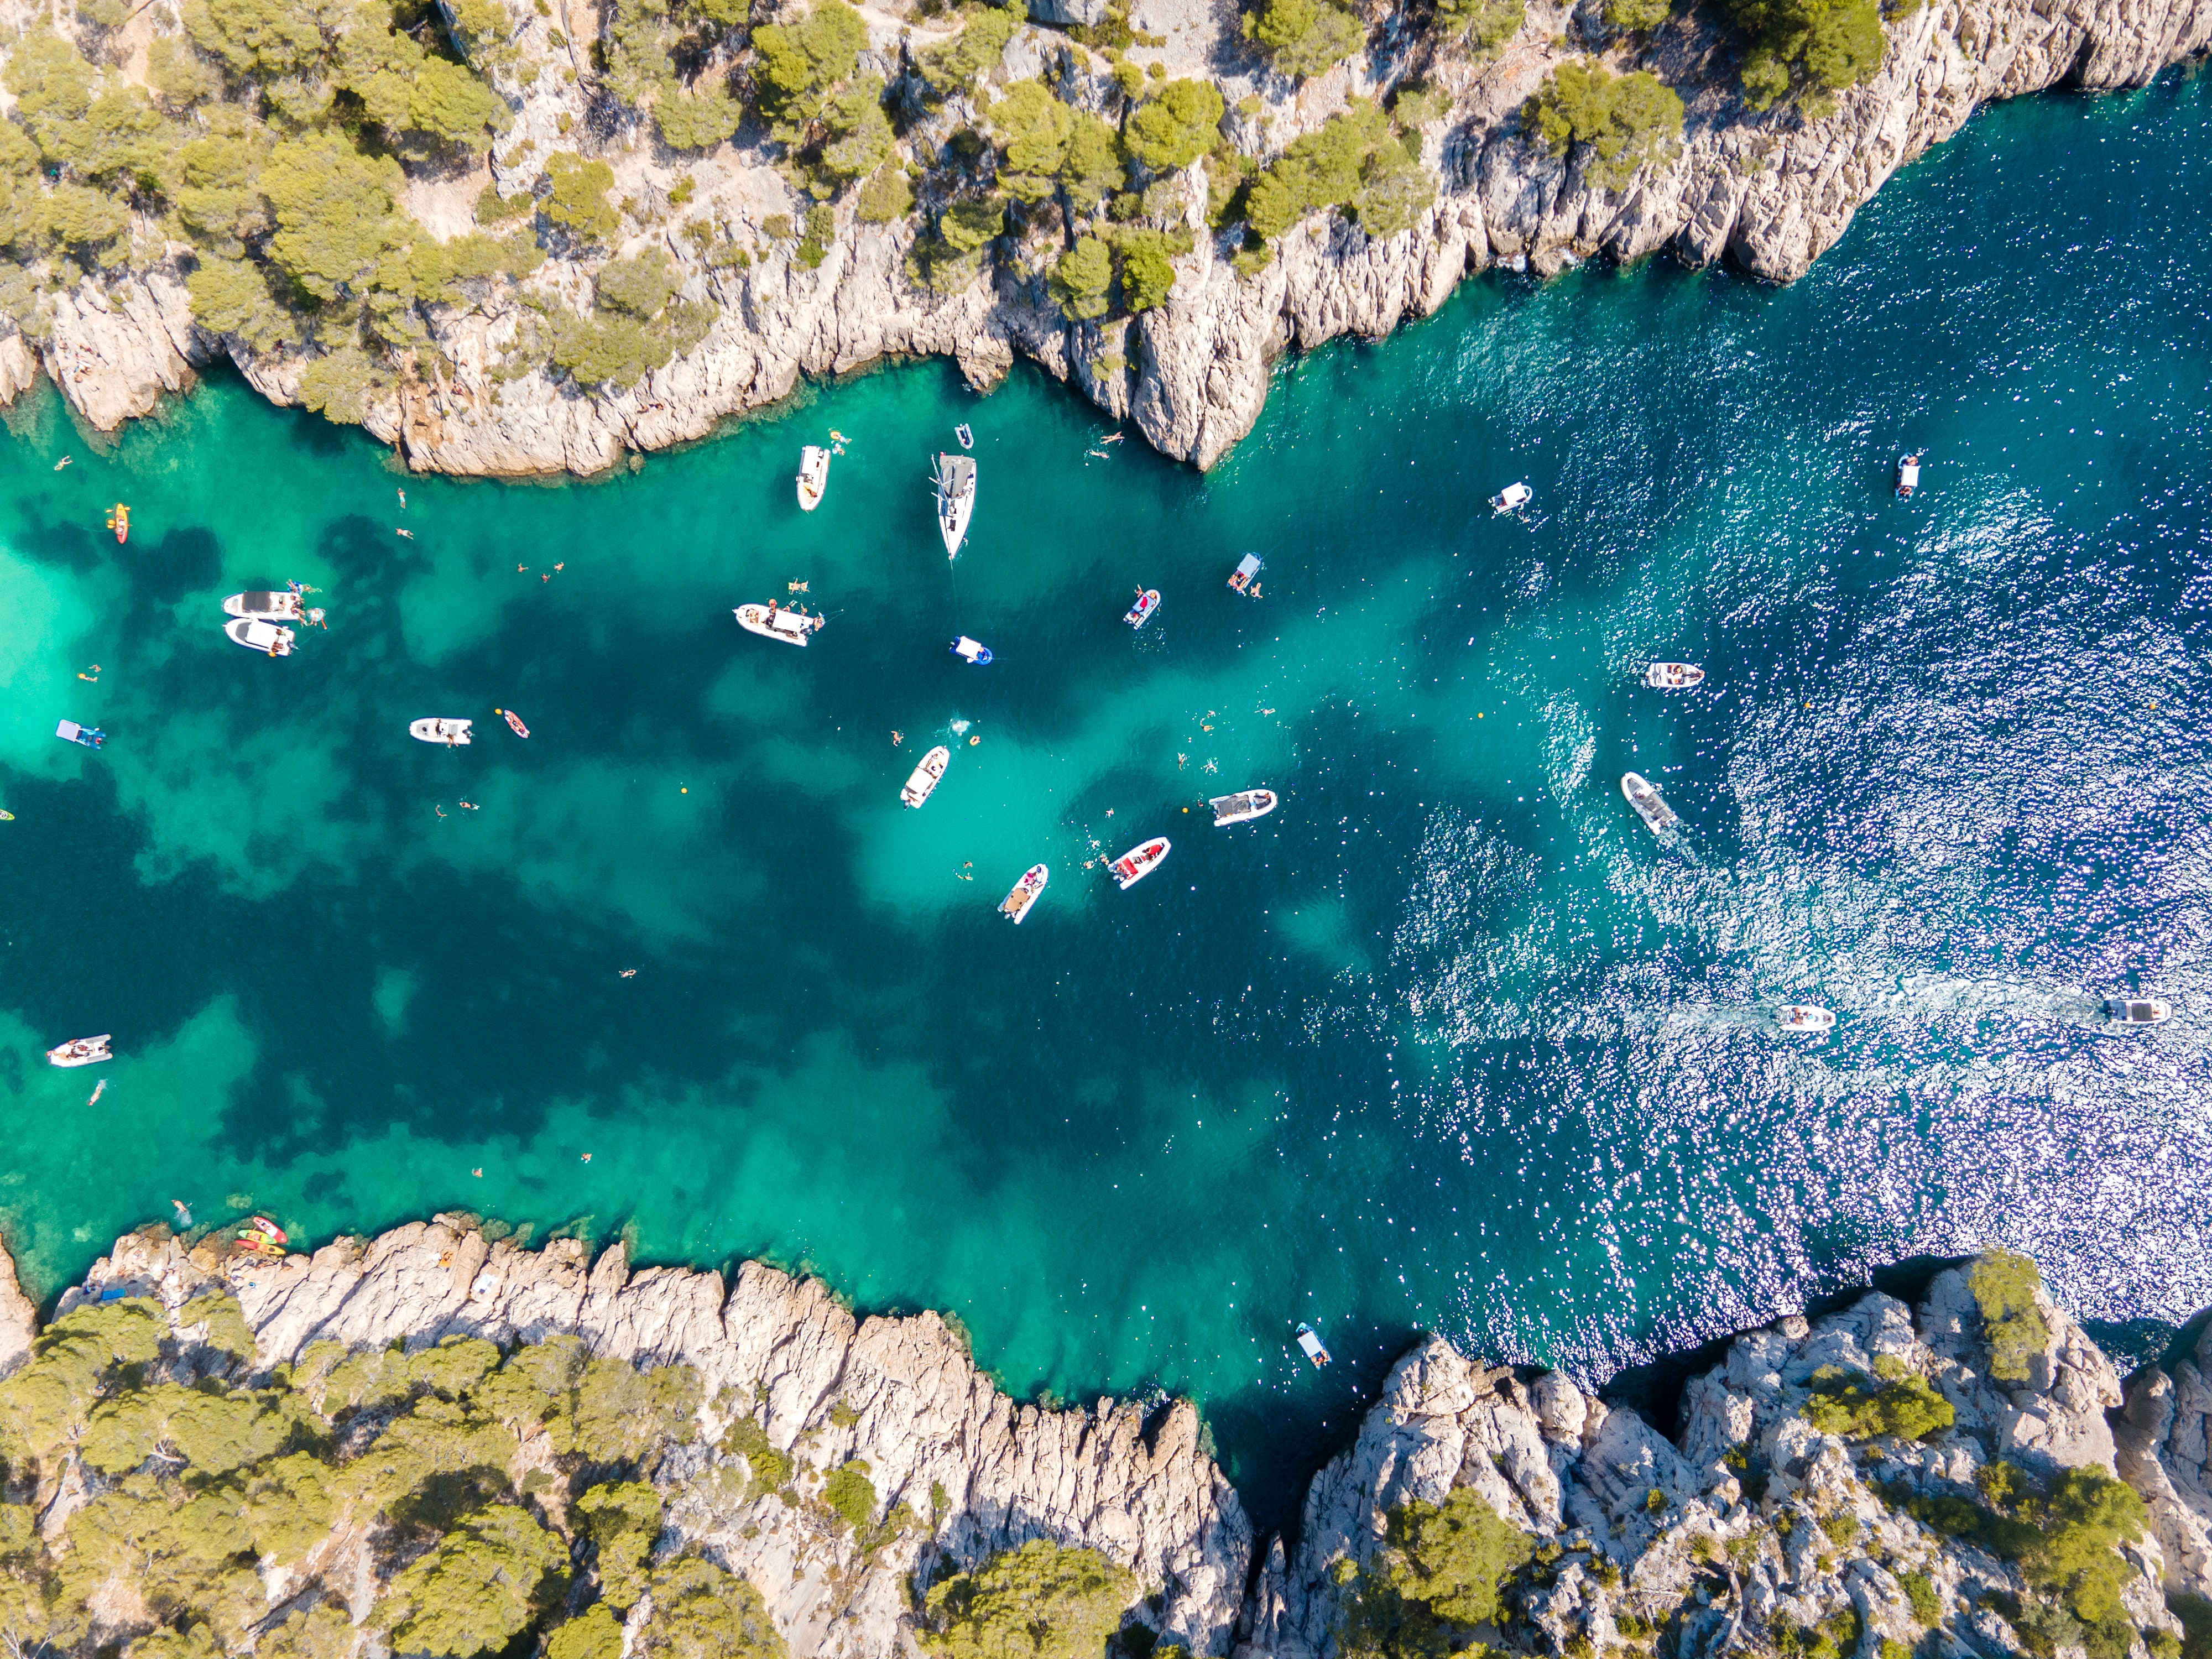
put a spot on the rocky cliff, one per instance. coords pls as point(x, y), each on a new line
point(1864, 1481)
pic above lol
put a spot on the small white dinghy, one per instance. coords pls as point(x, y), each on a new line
point(971, 650)
point(1139, 861)
point(278, 607)
point(1673, 676)
point(255, 634)
point(771, 621)
point(924, 777)
point(80, 1051)
point(1649, 806)
point(813, 477)
point(1310, 1345)
point(2137, 1011)
point(432, 729)
point(1242, 807)
point(1511, 499)
point(1804, 1017)
point(1908, 476)
point(1017, 903)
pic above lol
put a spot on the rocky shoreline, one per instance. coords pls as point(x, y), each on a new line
point(1787, 1501)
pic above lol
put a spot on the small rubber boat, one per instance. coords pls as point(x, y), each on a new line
point(1804, 1017)
point(70, 732)
point(1139, 861)
point(119, 521)
point(973, 651)
point(1511, 499)
point(924, 777)
point(6, 817)
point(80, 1051)
point(270, 1231)
point(1908, 476)
point(771, 621)
point(1016, 905)
point(432, 729)
point(1240, 580)
point(1242, 807)
point(278, 607)
point(2137, 1011)
point(813, 475)
point(1310, 1345)
point(1148, 600)
point(255, 634)
point(513, 721)
point(1673, 676)
point(1649, 806)
point(955, 478)
point(967, 438)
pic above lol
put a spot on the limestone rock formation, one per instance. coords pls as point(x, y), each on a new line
point(2165, 1452)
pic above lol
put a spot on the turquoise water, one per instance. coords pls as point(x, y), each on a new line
point(1448, 1041)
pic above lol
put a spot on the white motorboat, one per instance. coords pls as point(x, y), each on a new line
point(1240, 580)
point(278, 607)
point(1804, 1017)
point(955, 478)
point(1908, 476)
point(432, 729)
point(813, 477)
point(1148, 600)
point(971, 650)
point(924, 777)
point(1017, 903)
point(1511, 499)
point(80, 1051)
point(255, 634)
point(1242, 807)
point(771, 621)
point(1139, 861)
point(1649, 806)
point(1673, 676)
point(2137, 1011)
point(1310, 1345)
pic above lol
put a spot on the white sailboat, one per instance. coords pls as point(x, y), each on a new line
point(813, 477)
point(771, 621)
point(955, 478)
point(922, 781)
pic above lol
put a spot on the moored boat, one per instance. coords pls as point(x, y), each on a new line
point(433, 729)
point(80, 1051)
point(1673, 676)
point(924, 778)
point(971, 650)
point(1139, 861)
point(278, 607)
point(1510, 499)
point(1242, 807)
point(1148, 600)
point(513, 721)
point(1017, 903)
point(1650, 804)
point(955, 478)
point(771, 621)
point(2137, 1011)
point(1908, 475)
point(813, 477)
point(270, 1231)
point(1804, 1017)
point(1310, 1345)
point(255, 634)
point(967, 438)
point(90, 736)
point(1240, 580)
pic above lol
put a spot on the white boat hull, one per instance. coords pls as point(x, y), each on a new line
point(792, 626)
point(1026, 893)
point(955, 478)
point(1139, 613)
point(431, 729)
point(922, 781)
point(813, 477)
point(1804, 1017)
point(255, 634)
point(1242, 807)
point(1673, 676)
point(80, 1051)
point(1513, 496)
point(1650, 804)
point(1139, 861)
point(279, 607)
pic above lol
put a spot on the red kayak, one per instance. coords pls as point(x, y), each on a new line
point(263, 1223)
point(514, 720)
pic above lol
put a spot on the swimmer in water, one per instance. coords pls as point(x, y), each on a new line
point(438, 810)
point(63, 462)
point(91, 673)
point(184, 1214)
point(403, 501)
point(409, 534)
point(629, 973)
point(897, 738)
point(97, 1090)
point(468, 806)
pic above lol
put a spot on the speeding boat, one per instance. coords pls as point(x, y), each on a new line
point(924, 778)
point(70, 732)
point(432, 729)
point(81, 1051)
point(1510, 499)
point(119, 521)
point(955, 478)
point(1310, 1345)
point(771, 621)
point(1148, 600)
point(1908, 476)
point(1242, 807)
point(1804, 1017)
point(1673, 676)
point(255, 634)
point(813, 475)
point(1240, 580)
point(278, 607)
point(1648, 805)
point(967, 438)
point(1139, 861)
point(973, 651)
point(513, 721)
point(1017, 903)
point(2137, 1011)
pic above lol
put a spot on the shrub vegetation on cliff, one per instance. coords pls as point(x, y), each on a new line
point(1628, 121)
point(1357, 161)
point(1439, 1576)
point(2004, 1284)
point(1301, 38)
point(1043, 1600)
point(1893, 1401)
point(1806, 50)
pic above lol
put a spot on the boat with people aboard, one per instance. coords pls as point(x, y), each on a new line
point(971, 650)
point(2137, 1011)
point(276, 607)
point(1804, 1017)
point(431, 728)
point(90, 736)
point(773, 621)
point(813, 475)
point(1650, 804)
point(119, 521)
point(1139, 861)
point(924, 778)
point(513, 721)
point(955, 478)
point(1310, 1345)
point(1511, 499)
point(257, 635)
point(80, 1051)
point(1242, 807)
point(1908, 475)
point(1016, 904)
point(1673, 676)
point(1148, 600)
point(1240, 580)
